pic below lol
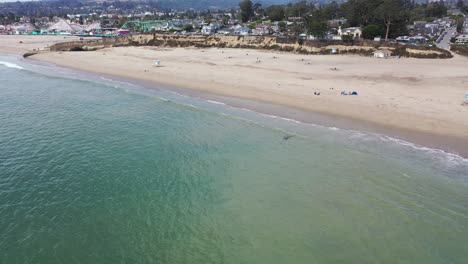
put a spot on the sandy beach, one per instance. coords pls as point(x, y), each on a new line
point(20, 44)
point(419, 95)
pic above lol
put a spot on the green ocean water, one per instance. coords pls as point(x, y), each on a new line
point(93, 172)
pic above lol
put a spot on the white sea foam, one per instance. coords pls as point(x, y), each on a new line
point(10, 65)
point(215, 102)
point(117, 82)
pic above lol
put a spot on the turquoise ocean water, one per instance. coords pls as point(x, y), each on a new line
point(98, 171)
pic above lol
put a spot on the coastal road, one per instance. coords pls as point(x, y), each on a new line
point(445, 42)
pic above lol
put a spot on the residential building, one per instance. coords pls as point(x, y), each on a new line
point(208, 30)
point(461, 39)
point(261, 30)
point(356, 32)
point(241, 30)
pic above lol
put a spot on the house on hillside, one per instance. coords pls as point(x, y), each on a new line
point(432, 29)
point(296, 19)
point(261, 30)
point(356, 32)
point(418, 28)
point(275, 27)
point(335, 23)
point(226, 31)
point(241, 30)
point(461, 39)
point(445, 22)
point(454, 12)
point(210, 29)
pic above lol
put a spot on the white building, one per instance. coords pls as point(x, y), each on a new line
point(262, 30)
point(356, 32)
point(210, 29)
point(383, 53)
point(241, 30)
point(461, 39)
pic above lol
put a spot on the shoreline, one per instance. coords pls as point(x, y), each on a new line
point(414, 100)
point(449, 144)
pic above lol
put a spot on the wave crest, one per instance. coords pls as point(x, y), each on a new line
point(10, 65)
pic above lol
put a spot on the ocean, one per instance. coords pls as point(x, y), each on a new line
point(94, 170)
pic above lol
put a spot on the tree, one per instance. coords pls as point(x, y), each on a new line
point(360, 12)
point(296, 28)
point(258, 11)
point(256, 7)
point(331, 11)
point(318, 28)
point(246, 10)
point(462, 6)
point(275, 13)
point(436, 9)
point(460, 20)
point(188, 27)
point(299, 9)
point(389, 12)
point(225, 20)
point(371, 31)
point(282, 26)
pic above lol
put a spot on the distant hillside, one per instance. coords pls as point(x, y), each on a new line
point(212, 4)
point(216, 4)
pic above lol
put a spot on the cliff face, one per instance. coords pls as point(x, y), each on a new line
point(250, 42)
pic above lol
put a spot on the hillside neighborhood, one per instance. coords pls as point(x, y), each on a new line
point(304, 20)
